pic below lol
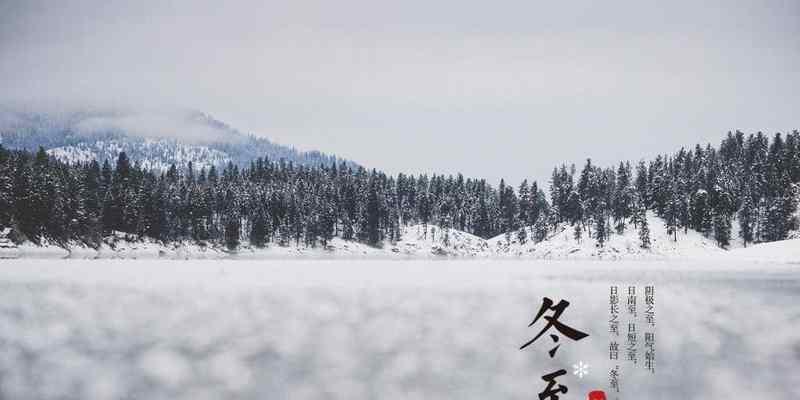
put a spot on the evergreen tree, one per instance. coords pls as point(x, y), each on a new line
point(644, 230)
point(751, 181)
point(522, 235)
point(601, 233)
point(670, 212)
point(623, 200)
point(258, 229)
point(746, 218)
point(370, 228)
point(722, 230)
point(232, 221)
point(6, 188)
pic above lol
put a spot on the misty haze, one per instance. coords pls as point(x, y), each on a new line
point(371, 200)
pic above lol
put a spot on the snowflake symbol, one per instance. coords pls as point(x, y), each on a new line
point(580, 369)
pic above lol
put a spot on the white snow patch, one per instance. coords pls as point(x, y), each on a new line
point(564, 245)
point(150, 154)
point(787, 251)
point(427, 242)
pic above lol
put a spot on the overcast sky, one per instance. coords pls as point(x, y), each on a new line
point(492, 89)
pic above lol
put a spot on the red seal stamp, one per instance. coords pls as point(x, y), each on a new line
point(597, 395)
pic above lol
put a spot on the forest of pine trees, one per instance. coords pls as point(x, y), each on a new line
point(748, 180)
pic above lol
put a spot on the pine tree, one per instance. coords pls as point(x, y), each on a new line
point(6, 189)
point(522, 235)
point(35, 206)
point(258, 230)
point(540, 230)
point(561, 186)
point(588, 195)
point(746, 218)
point(601, 233)
point(642, 186)
point(623, 198)
point(370, 229)
point(752, 180)
point(90, 194)
point(700, 212)
point(722, 230)
point(644, 230)
point(232, 221)
point(670, 213)
point(525, 203)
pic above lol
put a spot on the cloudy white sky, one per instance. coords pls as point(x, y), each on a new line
point(491, 89)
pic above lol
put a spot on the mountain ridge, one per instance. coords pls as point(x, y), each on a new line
point(156, 139)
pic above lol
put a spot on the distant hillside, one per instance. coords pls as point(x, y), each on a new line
point(564, 245)
point(741, 193)
point(154, 139)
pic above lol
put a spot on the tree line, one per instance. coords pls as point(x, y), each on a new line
point(748, 180)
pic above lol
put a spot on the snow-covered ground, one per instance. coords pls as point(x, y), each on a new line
point(787, 251)
point(434, 242)
point(151, 154)
point(564, 245)
point(353, 329)
point(418, 241)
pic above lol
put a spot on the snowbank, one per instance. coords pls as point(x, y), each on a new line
point(417, 241)
point(786, 251)
point(564, 245)
point(431, 241)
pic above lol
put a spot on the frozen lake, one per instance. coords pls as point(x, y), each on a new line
point(79, 329)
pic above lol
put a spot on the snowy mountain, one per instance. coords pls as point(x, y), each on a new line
point(151, 154)
point(156, 139)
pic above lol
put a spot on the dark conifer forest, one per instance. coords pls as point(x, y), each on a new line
point(748, 180)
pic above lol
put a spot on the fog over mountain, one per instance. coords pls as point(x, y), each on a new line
point(494, 90)
point(155, 138)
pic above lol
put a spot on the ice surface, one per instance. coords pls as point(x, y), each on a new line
point(315, 329)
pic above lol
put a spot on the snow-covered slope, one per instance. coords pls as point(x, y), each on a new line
point(780, 251)
point(436, 241)
point(151, 154)
point(156, 139)
point(431, 241)
point(418, 241)
point(563, 245)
